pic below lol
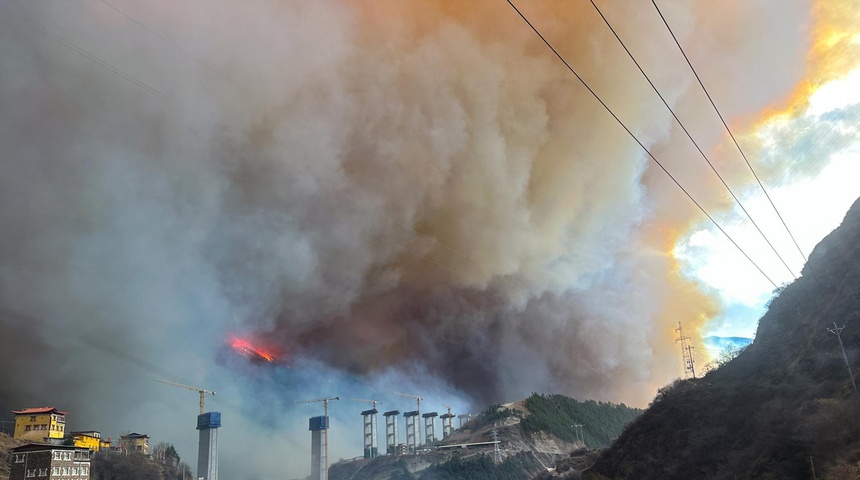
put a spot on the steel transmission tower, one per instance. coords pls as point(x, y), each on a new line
point(686, 351)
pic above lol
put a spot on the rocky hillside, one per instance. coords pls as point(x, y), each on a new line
point(785, 408)
point(6, 443)
point(534, 434)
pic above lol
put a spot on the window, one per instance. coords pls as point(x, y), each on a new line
point(44, 427)
point(65, 471)
point(27, 428)
point(19, 458)
point(55, 471)
point(74, 470)
point(57, 454)
point(31, 472)
point(43, 472)
point(32, 418)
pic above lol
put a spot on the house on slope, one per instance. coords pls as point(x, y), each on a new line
point(35, 460)
point(43, 424)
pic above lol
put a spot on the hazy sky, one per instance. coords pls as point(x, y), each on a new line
point(394, 196)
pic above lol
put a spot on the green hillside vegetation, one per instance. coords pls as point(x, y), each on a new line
point(492, 414)
point(481, 467)
point(556, 414)
point(784, 408)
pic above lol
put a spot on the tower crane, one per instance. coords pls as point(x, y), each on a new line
point(374, 402)
point(324, 400)
point(447, 422)
point(416, 427)
point(201, 391)
point(325, 432)
point(416, 397)
point(369, 427)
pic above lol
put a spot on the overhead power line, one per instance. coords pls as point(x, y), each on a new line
point(174, 45)
point(690, 136)
point(636, 139)
point(729, 130)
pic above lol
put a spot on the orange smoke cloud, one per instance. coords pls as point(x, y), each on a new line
point(835, 52)
point(384, 184)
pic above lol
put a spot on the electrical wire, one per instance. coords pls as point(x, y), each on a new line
point(166, 40)
point(726, 125)
point(690, 136)
point(636, 139)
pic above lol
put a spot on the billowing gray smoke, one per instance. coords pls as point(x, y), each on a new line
point(392, 194)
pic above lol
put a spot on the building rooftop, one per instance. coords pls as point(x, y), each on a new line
point(135, 435)
point(34, 411)
point(44, 446)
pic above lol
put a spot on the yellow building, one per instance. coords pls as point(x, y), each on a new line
point(134, 442)
point(90, 439)
point(40, 424)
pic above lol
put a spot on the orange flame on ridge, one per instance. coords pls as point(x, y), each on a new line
point(248, 349)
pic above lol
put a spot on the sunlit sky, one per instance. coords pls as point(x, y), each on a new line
point(811, 207)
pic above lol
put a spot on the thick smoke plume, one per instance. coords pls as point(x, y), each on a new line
point(386, 192)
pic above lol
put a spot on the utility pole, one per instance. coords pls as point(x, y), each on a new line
point(323, 425)
point(199, 390)
point(838, 332)
point(686, 352)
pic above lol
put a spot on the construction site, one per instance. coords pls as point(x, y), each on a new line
point(415, 440)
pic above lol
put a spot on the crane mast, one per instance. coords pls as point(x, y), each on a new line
point(412, 423)
point(325, 431)
point(201, 391)
point(369, 427)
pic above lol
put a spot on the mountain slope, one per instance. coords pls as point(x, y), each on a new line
point(533, 434)
point(783, 409)
point(6, 443)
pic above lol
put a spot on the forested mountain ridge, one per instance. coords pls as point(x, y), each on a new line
point(785, 408)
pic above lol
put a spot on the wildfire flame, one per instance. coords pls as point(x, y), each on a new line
point(248, 349)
